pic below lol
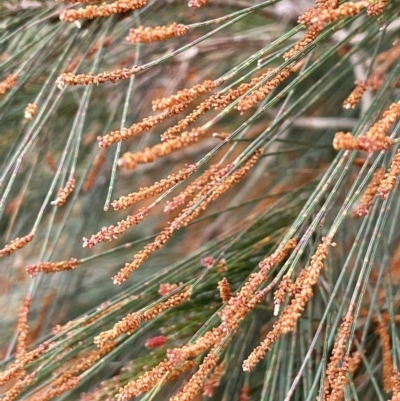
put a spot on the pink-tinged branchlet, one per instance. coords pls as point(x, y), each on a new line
point(156, 342)
point(130, 160)
point(30, 111)
point(52, 267)
point(157, 188)
point(8, 83)
point(22, 326)
point(389, 179)
point(370, 192)
point(64, 192)
point(224, 290)
point(113, 232)
point(185, 96)
point(354, 98)
point(156, 34)
point(16, 244)
point(103, 10)
point(288, 318)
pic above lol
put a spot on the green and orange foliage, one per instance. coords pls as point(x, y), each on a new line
point(250, 156)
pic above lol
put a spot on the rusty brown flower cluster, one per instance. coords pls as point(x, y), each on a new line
point(387, 366)
point(22, 327)
point(239, 305)
point(389, 179)
point(157, 188)
point(259, 94)
point(94, 171)
point(196, 382)
point(187, 215)
point(145, 125)
point(377, 7)
point(190, 190)
point(103, 10)
point(92, 79)
point(149, 34)
point(375, 139)
point(212, 382)
point(354, 98)
point(30, 111)
point(224, 290)
point(112, 232)
point(338, 367)
point(370, 192)
point(197, 3)
point(133, 320)
point(185, 96)
point(156, 342)
point(320, 16)
point(310, 35)
point(130, 160)
point(200, 110)
point(8, 83)
point(65, 192)
point(16, 369)
point(52, 267)
point(16, 244)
